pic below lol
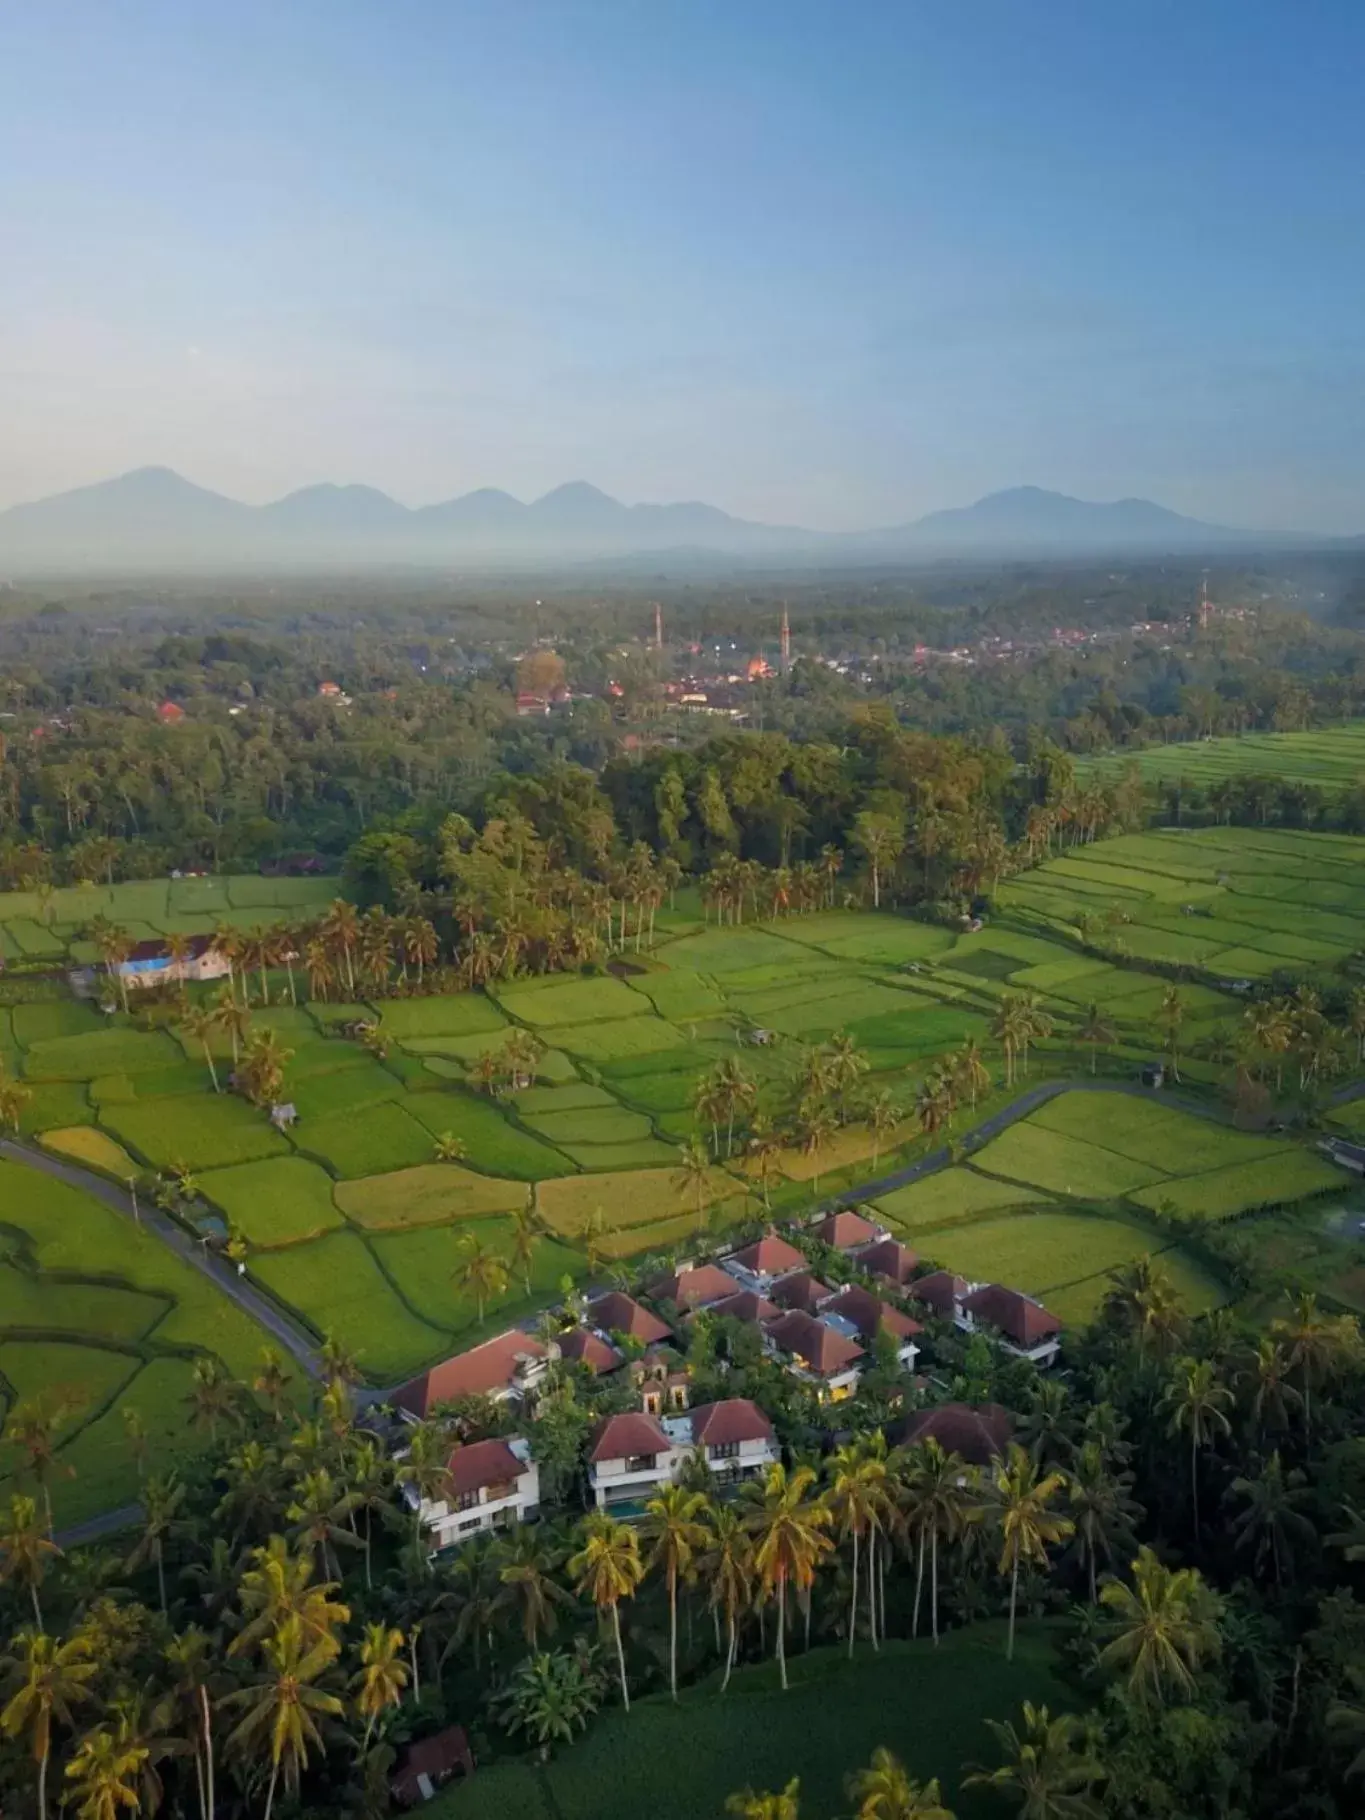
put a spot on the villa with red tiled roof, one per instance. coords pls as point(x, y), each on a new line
point(489, 1485)
point(1018, 1323)
point(504, 1368)
point(615, 1312)
point(890, 1259)
point(760, 1265)
point(585, 1347)
point(857, 1312)
point(632, 1455)
point(847, 1230)
point(804, 1290)
point(828, 1361)
point(977, 1433)
point(693, 1286)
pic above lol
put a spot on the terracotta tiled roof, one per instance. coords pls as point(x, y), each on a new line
point(196, 945)
point(623, 1437)
point(770, 1256)
point(1019, 1318)
point(745, 1305)
point(823, 1350)
point(940, 1289)
point(979, 1433)
point(845, 1230)
point(801, 1291)
point(618, 1313)
point(869, 1313)
point(889, 1258)
point(482, 1463)
point(734, 1419)
point(588, 1348)
point(434, 1758)
point(485, 1368)
point(692, 1288)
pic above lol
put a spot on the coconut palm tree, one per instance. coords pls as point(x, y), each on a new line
point(279, 1586)
point(1196, 1403)
point(282, 1708)
point(33, 1426)
point(882, 1115)
point(886, 1791)
point(1102, 1510)
point(232, 1018)
point(752, 1804)
point(383, 1674)
point(1270, 1398)
point(26, 1549)
point(272, 1381)
point(1022, 1501)
point(1163, 1627)
point(1271, 1522)
point(480, 1272)
point(788, 1527)
point(608, 1568)
point(14, 1097)
point(1171, 1015)
point(103, 1776)
point(161, 1501)
point(1142, 1300)
point(860, 1501)
point(318, 1517)
point(213, 1395)
point(524, 1563)
point(968, 1071)
point(1049, 1768)
point(938, 1500)
point(1097, 1032)
point(726, 1568)
point(1318, 1348)
point(525, 1238)
point(451, 1149)
point(675, 1532)
point(1008, 1029)
point(693, 1176)
point(53, 1679)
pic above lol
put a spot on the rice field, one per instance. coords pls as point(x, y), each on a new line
point(1332, 757)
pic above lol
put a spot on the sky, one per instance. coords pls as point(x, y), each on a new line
point(831, 265)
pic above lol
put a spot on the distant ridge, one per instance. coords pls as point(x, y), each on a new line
point(154, 517)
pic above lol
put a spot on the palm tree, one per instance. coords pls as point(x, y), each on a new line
point(1346, 1723)
point(751, 1804)
point(525, 1237)
point(860, 1500)
point(1034, 1023)
point(278, 1587)
point(1098, 1032)
point(938, 1503)
point(1102, 1511)
point(104, 1776)
point(1164, 1626)
point(1142, 1300)
point(235, 1019)
point(674, 1529)
point(213, 1395)
point(281, 1710)
point(1272, 1520)
point(1317, 1347)
point(693, 1176)
point(200, 1024)
point(969, 1073)
point(54, 1678)
point(272, 1381)
point(161, 1501)
point(318, 1514)
point(1197, 1402)
point(524, 1565)
point(726, 1568)
point(381, 1678)
point(25, 1550)
point(1008, 1028)
point(1171, 1015)
point(883, 1115)
point(480, 1272)
point(1049, 1768)
point(1270, 1397)
point(1028, 1527)
point(608, 1568)
point(885, 1791)
point(789, 1539)
point(14, 1096)
point(451, 1149)
point(818, 1126)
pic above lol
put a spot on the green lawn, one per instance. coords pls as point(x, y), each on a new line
point(683, 1761)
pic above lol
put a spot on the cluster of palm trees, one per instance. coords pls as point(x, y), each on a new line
point(1019, 1022)
point(1296, 1027)
point(734, 887)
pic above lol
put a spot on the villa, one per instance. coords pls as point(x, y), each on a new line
point(632, 1455)
point(153, 964)
point(760, 1265)
point(505, 1368)
point(858, 1314)
point(827, 1360)
point(489, 1485)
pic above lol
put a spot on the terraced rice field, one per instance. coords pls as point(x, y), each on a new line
point(48, 927)
point(1332, 757)
point(1237, 903)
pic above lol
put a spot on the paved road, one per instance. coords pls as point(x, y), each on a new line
point(299, 1345)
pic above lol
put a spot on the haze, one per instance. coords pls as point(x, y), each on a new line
point(826, 266)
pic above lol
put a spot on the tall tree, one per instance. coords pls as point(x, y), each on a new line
point(1028, 1525)
point(788, 1527)
point(608, 1568)
point(674, 1531)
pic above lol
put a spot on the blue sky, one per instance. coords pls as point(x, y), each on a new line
point(834, 265)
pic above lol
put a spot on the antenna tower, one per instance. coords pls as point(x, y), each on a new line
point(658, 627)
point(786, 643)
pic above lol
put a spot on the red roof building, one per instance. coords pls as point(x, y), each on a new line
point(588, 1348)
point(694, 1288)
point(1025, 1325)
point(817, 1353)
point(745, 1305)
point(977, 1433)
point(846, 1230)
point(482, 1464)
point(767, 1258)
point(870, 1315)
point(801, 1291)
point(632, 1436)
point(430, 1762)
point(618, 1313)
point(890, 1259)
point(502, 1367)
point(169, 714)
point(940, 1290)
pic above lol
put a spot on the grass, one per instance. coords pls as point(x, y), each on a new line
point(1038, 1251)
point(572, 1001)
point(1163, 1136)
point(633, 1198)
point(422, 1264)
point(280, 1201)
point(926, 1705)
point(1062, 1165)
point(92, 1149)
point(642, 1154)
point(117, 1051)
point(431, 1194)
point(590, 1125)
point(383, 1137)
point(1288, 1175)
point(204, 1133)
point(338, 1287)
point(29, 1300)
point(623, 1037)
point(949, 1194)
point(492, 1142)
point(456, 1014)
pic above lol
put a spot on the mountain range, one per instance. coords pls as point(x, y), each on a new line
point(153, 517)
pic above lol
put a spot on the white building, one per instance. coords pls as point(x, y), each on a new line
point(489, 1485)
point(633, 1455)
